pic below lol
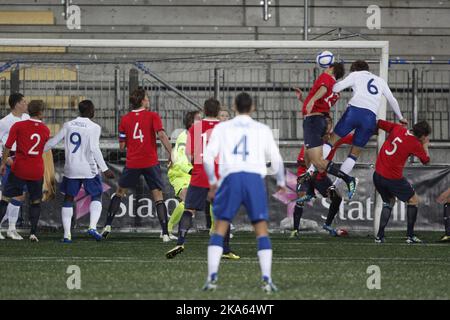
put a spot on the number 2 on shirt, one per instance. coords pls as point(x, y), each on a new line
point(137, 134)
point(32, 151)
point(244, 152)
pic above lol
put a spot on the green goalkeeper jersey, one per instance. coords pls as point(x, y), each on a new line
point(181, 165)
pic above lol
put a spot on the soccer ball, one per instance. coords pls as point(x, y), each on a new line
point(341, 232)
point(325, 59)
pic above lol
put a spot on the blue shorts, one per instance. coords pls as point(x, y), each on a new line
point(238, 189)
point(390, 188)
point(152, 175)
point(314, 128)
point(92, 186)
point(14, 187)
point(363, 121)
point(5, 179)
point(196, 198)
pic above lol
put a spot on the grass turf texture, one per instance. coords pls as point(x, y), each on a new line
point(316, 266)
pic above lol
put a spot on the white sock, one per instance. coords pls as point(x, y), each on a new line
point(96, 210)
point(265, 262)
point(67, 214)
point(326, 149)
point(13, 215)
point(214, 255)
point(348, 165)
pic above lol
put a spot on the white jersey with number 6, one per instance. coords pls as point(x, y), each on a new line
point(82, 148)
point(367, 91)
point(242, 145)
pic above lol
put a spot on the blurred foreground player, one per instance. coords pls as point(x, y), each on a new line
point(243, 147)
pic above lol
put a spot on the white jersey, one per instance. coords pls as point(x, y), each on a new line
point(367, 91)
point(5, 125)
point(243, 145)
point(82, 148)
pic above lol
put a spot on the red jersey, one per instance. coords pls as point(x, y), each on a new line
point(399, 145)
point(348, 139)
point(138, 130)
point(198, 137)
point(325, 103)
point(30, 137)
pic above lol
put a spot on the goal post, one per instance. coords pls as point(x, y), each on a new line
point(132, 47)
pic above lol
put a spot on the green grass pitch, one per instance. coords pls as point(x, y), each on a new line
point(133, 266)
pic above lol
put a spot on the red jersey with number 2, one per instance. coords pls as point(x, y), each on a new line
point(399, 145)
point(30, 137)
point(325, 103)
point(198, 137)
point(138, 130)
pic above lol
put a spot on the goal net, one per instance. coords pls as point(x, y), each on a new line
point(179, 76)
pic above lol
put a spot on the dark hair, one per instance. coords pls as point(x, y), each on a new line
point(211, 108)
point(243, 102)
point(421, 129)
point(189, 119)
point(136, 98)
point(338, 70)
point(14, 99)
point(86, 108)
point(359, 65)
point(35, 107)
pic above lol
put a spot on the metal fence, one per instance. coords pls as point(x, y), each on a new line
point(423, 94)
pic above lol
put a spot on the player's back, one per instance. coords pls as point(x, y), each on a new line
point(323, 104)
point(78, 139)
point(198, 137)
point(399, 145)
point(245, 146)
point(30, 136)
point(367, 90)
point(138, 130)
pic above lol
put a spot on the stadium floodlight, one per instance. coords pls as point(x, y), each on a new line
point(355, 47)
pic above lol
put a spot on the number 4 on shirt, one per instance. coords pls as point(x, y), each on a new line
point(241, 148)
point(137, 134)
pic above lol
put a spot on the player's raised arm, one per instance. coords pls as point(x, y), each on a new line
point(347, 82)
point(56, 139)
point(392, 101)
point(386, 125)
point(272, 154)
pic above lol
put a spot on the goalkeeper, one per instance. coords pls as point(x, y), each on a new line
point(179, 173)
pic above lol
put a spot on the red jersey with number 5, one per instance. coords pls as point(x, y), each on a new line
point(30, 137)
point(198, 136)
point(138, 130)
point(325, 103)
point(399, 145)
